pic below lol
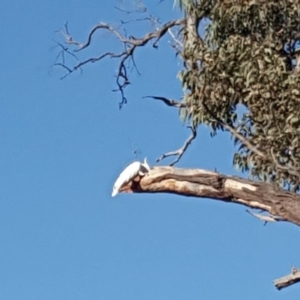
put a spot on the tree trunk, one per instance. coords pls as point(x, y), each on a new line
point(280, 204)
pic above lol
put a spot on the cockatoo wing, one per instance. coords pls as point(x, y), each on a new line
point(128, 174)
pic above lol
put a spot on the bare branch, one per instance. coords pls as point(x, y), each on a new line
point(136, 42)
point(282, 205)
point(63, 66)
point(130, 45)
point(64, 50)
point(169, 102)
point(288, 280)
point(181, 150)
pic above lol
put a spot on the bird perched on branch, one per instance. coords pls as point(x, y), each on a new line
point(130, 172)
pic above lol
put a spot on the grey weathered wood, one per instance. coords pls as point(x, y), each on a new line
point(280, 204)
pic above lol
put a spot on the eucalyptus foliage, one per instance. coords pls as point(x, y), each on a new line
point(243, 73)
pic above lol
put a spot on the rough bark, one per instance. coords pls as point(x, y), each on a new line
point(280, 204)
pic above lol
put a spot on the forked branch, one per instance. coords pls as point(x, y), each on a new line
point(130, 45)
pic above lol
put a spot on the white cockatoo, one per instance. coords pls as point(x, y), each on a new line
point(130, 172)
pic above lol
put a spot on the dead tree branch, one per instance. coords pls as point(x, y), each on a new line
point(130, 46)
point(201, 183)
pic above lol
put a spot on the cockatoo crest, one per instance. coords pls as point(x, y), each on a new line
point(144, 167)
point(129, 173)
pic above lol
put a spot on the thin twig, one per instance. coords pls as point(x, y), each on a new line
point(63, 50)
point(181, 150)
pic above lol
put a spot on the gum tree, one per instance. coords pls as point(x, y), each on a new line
point(240, 76)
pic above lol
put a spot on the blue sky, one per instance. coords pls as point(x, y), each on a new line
point(64, 142)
